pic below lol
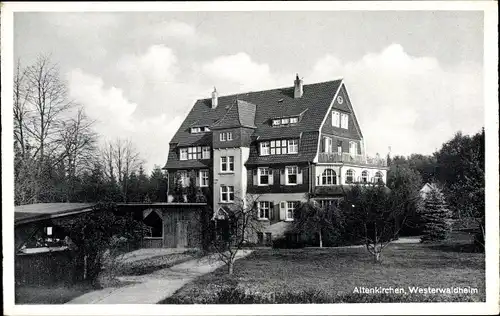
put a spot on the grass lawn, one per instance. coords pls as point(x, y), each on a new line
point(56, 294)
point(338, 271)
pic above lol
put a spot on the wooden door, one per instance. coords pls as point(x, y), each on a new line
point(182, 234)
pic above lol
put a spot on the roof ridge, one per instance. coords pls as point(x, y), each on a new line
point(267, 90)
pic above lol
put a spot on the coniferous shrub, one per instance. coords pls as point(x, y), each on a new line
point(436, 217)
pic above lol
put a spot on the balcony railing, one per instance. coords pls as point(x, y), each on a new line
point(356, 159)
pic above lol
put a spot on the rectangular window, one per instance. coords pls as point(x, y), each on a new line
point(327, 144)
point(203, 178)
point(276, 122)
point(227, 164)
point(222, 137)
point(293, 146)
point(263, 210)
point(227, 193)
point(264, 148)
point(335, 119)
point(206, 152)
point(291, 175)
point(294, 120)
point(183, 154)
point(285, 121)
point(290, 207)
point(344, 120)
point(353, 148)
point(195, 130)
point(206, 129)
point(229, 136)
point(263, 176)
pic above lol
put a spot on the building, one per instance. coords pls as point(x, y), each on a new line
point(282, 144)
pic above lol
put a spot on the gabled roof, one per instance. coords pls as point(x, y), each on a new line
point(240, 114)
point(280, 102)
point(41, 211)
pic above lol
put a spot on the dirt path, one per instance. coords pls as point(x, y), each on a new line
point(154, 287)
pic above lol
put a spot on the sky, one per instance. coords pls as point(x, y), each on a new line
point(415, 78)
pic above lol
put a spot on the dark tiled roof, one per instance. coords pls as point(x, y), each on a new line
point(307, 151)
point(316, 99)
point(40, 211)
point(240, 114)
point(173, 161)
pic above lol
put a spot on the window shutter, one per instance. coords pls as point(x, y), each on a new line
point(197, 177)
point(282, 177)
point(299, 175)
point(271, 177)
point(282, 207)
point(323, 147)
point(255, 180)
point(272, 212)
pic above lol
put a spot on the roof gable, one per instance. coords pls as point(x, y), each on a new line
point(240, 114)
point(280, 102)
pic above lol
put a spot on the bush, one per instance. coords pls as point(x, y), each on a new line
point(288, 242)
point(231, 293)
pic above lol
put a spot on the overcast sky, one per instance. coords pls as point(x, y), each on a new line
point(415, 78)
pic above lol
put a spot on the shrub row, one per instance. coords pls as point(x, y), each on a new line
point(232, 294)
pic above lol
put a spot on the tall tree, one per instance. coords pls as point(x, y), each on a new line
point(436, 216)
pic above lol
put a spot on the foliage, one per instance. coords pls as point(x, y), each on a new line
point(461, 163)
point(233, 228)
point(310, 217)
point(178, 191)
point(436, 216)
point(99, 232)
point(376, 214)
point(405, 184)
point(192, 189)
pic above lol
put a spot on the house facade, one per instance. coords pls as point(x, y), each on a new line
point(281, 145)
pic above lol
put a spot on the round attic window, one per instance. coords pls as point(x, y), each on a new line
point(340, 100)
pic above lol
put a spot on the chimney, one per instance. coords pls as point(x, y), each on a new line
point(298, 91)
point(215, 98)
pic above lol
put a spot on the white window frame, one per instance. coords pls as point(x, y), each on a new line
point(264, 148)
point(353, 148)
point(263, 171)
point(328, 144)
point(285, 121)
point(325, 177)
point(205, 152)
point(344, 121)
point(378, 176)
point(336, 118)
point(229, 136)
point(264, 206)
point(293, 144)
point(206, 129)
point(276, 122)
point(365, 176)
point(290, 207)
point(353, 176)
point(228, 162)
point(226, 190)
point(183, 154)
point(294, 120)
point(195, 130)
point(204, 178)
point(291, 168)
point(222, 137)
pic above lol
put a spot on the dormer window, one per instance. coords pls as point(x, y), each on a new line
point(225, 136)
point(294, 120)
point(285, 121)
point(276, 122)
point(199, 129)
point(194, 153)
point(279, 147)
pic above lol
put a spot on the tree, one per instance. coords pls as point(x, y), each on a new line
point(192, 190)
point(436, 216)
point(461, 171)
point(375, 215)
point(158, 184)
point(311, 217)
point(97, 232)
point(233, 227)
point(178, 191)
point(405, 184)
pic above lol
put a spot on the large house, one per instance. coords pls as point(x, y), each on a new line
point(282, 145)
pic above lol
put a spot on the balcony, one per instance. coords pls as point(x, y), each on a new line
point(353, 159)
